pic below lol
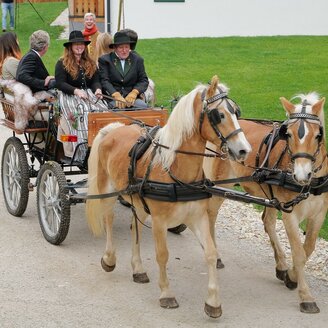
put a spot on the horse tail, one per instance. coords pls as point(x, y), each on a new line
point(94, 207)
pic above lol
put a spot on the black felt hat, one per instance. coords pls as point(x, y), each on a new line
point(120, 38)
point(133, 35)
point(76, 37)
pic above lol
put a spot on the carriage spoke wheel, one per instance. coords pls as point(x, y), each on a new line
point(53, 204)
point(15, 176)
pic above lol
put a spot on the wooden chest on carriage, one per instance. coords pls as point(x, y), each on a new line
point(151, 117)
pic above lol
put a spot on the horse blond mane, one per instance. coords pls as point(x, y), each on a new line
point(180, 126)
point(311, 98)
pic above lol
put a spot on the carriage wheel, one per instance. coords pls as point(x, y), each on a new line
point(53, 204)
point(15, 176)
point(178, 229)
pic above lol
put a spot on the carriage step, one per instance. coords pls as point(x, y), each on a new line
point(81, 196)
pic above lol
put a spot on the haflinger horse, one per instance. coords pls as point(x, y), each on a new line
point(175, 154)
point(300, 151)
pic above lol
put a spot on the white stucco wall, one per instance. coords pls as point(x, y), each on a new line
point(214, 18)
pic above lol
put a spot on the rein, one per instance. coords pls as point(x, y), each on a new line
point(215, 153)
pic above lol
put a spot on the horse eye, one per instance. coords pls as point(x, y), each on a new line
point(221, 116)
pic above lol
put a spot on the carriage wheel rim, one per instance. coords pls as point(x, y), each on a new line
point(12, 177)
point(50, 203)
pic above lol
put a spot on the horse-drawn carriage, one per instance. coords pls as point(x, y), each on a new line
point(37, 161)
point(171, 170)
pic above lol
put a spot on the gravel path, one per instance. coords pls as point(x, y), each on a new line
point(62, 20)
point(249, 226)
point(45, 286)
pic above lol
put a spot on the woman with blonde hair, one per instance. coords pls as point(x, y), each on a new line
point(78, 79)
point(102, 45)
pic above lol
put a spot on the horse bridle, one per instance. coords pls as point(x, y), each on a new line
point(214, 117)
point(303, 117)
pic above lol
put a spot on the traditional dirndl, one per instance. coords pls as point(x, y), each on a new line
point(74, 121)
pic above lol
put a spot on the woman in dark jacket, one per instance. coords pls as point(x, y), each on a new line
point(78, 78)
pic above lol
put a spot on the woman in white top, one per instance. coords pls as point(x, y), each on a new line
point(10, 54)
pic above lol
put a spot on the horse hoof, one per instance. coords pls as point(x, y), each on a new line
point(289, 283)
point(213, 312)
point(309, 307)
point(219, 264)
point(168, 303)
point(106, 267)
point(281, 274)
point(140, 278)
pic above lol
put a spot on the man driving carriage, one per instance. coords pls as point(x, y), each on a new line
point(122, 74)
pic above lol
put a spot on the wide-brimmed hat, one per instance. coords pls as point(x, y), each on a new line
point(132, 35)
point(120, 38)
point(76, 37)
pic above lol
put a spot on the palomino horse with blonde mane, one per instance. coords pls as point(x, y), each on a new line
point(175, 154)
point(299, 163)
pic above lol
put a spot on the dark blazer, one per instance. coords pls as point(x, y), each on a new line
point(113, 79)
point(32, 72)
point(67, 84)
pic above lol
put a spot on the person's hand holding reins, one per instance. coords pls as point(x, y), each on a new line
point(131, 97)
point(81, 93)
point(98, 94)
point(119, 100)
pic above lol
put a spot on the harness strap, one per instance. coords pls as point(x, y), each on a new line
point(233, 133)
point(216, 97)
point(145, 179)
point(303, 155)
point(304, 116)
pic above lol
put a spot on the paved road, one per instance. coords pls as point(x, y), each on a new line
point(45, 286)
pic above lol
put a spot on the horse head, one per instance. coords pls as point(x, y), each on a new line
point(305, 134)
point(219, 121)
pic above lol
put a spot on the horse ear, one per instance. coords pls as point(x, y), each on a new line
point(316, 108)
point(289, 107)
point(214, 84)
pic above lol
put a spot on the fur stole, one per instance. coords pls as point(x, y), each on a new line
point(25, 103)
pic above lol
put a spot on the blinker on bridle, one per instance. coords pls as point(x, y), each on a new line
point(214, 116)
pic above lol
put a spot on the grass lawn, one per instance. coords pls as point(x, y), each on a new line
point(258, 70)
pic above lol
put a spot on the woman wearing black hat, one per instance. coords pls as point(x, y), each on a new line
point(78, 79)
point(122, 74)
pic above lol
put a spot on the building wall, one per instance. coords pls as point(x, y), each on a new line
point(217, 18)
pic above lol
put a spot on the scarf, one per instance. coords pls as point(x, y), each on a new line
point(87, 33)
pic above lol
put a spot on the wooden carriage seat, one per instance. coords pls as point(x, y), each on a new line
point(151, 117)
point(9, 120)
